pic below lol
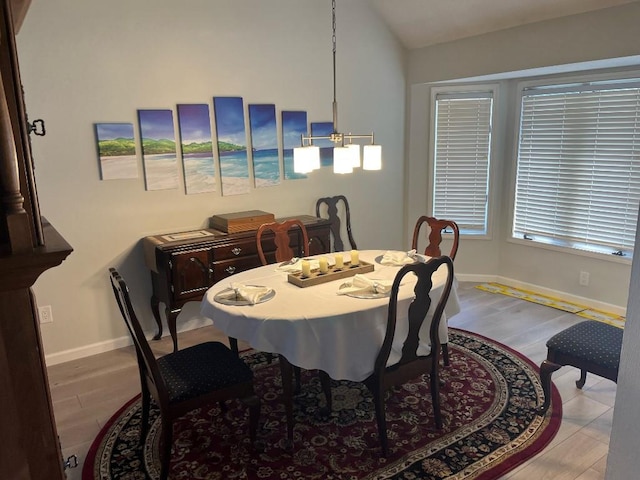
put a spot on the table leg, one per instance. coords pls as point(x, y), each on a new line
point(286, 371)
point(325, 381)
point(155, 309)
point(172, 316)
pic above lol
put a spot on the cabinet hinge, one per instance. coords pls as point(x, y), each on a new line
point(37, 127)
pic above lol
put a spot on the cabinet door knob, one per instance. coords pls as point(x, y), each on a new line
point(230, 269)
point(236, 251)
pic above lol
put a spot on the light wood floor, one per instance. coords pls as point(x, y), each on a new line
point(87, 392)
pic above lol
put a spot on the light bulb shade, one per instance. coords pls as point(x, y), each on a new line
point(372, 157)
point(314, 157)
point(354, 152)
point(302, 159)
point(342, 162)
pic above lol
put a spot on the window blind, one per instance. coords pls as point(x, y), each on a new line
point(578, 174)
point(461, 159)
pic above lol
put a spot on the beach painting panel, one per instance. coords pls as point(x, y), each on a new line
point(158, 149)
point(232, 145)
point(264, 145)
point(116, 151)
point(194, 123)
point(294, 125)
point(323, 129)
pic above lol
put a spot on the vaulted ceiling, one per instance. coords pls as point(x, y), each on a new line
point(419, 23)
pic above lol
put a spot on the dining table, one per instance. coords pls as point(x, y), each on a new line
point(318, 326)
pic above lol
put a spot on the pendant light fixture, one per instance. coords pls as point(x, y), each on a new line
point(346, 156)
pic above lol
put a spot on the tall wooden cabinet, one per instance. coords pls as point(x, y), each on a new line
point(29, 245)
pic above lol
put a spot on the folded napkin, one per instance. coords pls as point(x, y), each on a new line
point(362, 284)
point(249, 293)
point(402, 258)
point(295, 265)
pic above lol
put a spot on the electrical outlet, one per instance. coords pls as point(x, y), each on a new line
point(45, 314)
point(584, 278)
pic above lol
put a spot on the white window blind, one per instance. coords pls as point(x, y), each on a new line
point(578, 175)
point(461, 159)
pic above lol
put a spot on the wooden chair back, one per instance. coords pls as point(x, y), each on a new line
point(147, 364)
point(336, 223)
point(436, 227)
point(282, 238)
point(411, 364)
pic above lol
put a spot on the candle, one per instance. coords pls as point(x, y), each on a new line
point(306, 268)
point(324, 265)
point(339, 261)
point(355, 258)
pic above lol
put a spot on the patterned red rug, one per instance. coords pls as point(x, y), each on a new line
point(490, 426)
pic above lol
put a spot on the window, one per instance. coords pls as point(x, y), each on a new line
point(578, 174)
point(462, 148)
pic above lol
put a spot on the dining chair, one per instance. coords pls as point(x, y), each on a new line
point(282, 240)
point(283, 252)
point(400, 360)
point(185, 379)
point(436, 227)
point(336, 223)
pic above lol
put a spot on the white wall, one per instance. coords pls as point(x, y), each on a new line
point(605, 34)
point(89, 62)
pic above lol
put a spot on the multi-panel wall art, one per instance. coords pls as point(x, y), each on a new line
point(158, 149)
point(294, 125)
point(116, 150)
point(264, 145)
point(323, 129)
point(230, 157)
point(197, 148)
point(232, 145)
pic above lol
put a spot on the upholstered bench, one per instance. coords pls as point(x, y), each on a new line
point(590, 345)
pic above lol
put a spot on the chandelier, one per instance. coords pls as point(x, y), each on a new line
point(346, 156)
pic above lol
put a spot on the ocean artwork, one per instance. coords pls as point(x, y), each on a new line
point(197, 148)
point(116, 151)
point(264, 145)
point(158, 149)
point(323, 129)
point(294, 125)
point(232, 145)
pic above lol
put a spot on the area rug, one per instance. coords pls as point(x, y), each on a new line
point(489, 396)
point(553, 302)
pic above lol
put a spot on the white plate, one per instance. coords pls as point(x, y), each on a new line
point(221, 297)
point(367, 295)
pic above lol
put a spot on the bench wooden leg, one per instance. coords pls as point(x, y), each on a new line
point(583, 378)
point(546, 369)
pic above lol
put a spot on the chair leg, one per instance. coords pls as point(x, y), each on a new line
point(378, 401)
point(435, 398)
point(165, 447)
point(445, 354)
point(583, 378)
point(254, 416)
point(144, 427)
point(546, 369)
point(233, 345)
point(297, 375)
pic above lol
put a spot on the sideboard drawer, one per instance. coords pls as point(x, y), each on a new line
point(236, 250)
point(225, 268)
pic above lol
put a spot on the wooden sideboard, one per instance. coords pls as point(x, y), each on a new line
point(184, 265)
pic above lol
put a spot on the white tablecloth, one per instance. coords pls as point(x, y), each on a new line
point(313, 327)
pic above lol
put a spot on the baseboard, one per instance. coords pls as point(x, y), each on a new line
point(198, 322)
point(102, 347)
